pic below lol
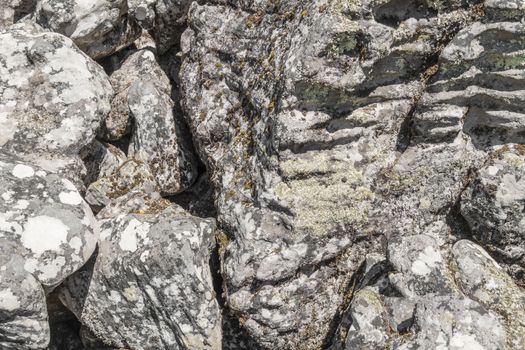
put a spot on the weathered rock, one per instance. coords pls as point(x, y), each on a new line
point(101, 159)
point(47, 232)
point(13, 10)
point(23, 314)
point(419, 306)
point(482, 279)
point(155, 140)
point(99, 28)
point(494, 205)
point(131, 175)
point(165, 18)
point(52, 98)
point(151, 286)
point(143, 97)
point(45, 216)
point(298, 109)
point(139, 64)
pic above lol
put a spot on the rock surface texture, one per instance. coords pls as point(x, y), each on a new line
point(233, 174)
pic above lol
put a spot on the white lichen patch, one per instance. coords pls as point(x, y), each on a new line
point(22, 171)
point(42, 233)
point(8, 300)
point(71, 198)
point(427, 260)
point(128, 239)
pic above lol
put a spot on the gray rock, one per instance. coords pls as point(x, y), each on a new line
point(53, 98)
point(131, 175)
point(47, 232)
point(23, 314)
point(298, 109)
point(47, 219)
point(155, 140)
point(420, 306)
point(13, 10)
point(151, 286)
point(139, 64)
point(99, 28)
point(165, 18)
point(482, 279)
point(493, 206)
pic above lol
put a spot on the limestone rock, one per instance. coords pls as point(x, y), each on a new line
point(151, 285)
point(493, 206)
point(53, 97)
point(23, 320)
point(99, 28)
point(47, 232)
point(13, 10)
point(155, 140)
point(131, 175)
point(53, 228)
point(298, 110)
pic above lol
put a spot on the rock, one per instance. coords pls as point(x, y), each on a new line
point(494, 209)
point(23, 314)
point(369, 328)
point(143, 96)
point(420, 268)
point(47, 219)
point(131, 175)
point(151, 286)
point(419, 305)
point(101, 159)
point(455, 324)
point(482, 279)
point(13, 10)
point(155, 140)
point(53, 97)
point(99, 28)
point(165, 19)
point(298, 110)
point(47, 232)
point(137, 65)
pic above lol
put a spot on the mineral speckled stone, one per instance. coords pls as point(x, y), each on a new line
point(293, 174)
point(52, 96)
point(151, 284)
point(47, 219)
point(99, 28)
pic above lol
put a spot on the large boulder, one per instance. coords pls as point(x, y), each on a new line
point(151, 286)
point(52, 98)
point(47, 233)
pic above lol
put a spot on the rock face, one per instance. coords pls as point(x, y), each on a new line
point(330, 124)
point(266, 174)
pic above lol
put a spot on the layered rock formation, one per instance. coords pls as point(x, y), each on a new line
point(262, 174)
